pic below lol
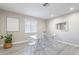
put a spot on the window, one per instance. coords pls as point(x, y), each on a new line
point(61, 26)
point(12, 24)
point(30, 26)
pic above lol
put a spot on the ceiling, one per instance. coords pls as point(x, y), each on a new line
point(37, 10)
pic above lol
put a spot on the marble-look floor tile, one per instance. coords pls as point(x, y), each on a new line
point(54, 48)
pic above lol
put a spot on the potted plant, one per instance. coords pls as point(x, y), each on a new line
point(7, 41)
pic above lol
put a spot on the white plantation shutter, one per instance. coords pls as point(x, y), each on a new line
point(12, 24)
point(27, 26)
point(30, 26)
point(33, 26)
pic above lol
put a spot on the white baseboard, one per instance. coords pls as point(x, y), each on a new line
point(20, 42)
point(72, 44)
point(16, 43)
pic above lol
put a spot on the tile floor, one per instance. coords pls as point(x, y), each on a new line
point(56, 48)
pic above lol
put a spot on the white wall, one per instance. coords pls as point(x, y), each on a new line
point(20, 35)
point(70, 36)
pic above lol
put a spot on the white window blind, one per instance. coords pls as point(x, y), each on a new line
point(30, 26)
point(12, 24)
